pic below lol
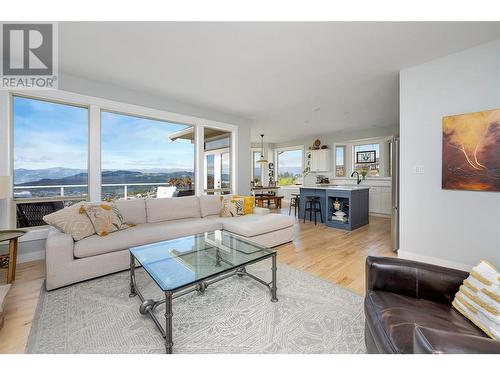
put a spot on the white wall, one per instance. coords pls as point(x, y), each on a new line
point(454, 228)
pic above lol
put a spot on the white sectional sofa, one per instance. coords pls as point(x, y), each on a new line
point(70, 261)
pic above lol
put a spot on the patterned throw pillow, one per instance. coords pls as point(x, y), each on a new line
point(105, 217)
point(248, 204)
point(72, 220)
point(479, 299)
point(232, 207)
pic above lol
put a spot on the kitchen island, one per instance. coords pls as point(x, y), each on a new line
point(343, 207)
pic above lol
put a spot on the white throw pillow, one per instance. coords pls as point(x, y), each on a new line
point(479, 299)
point(72, 220)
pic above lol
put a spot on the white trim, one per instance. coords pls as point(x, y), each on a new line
point(437, 261)
point(94, 156)
point(199, 162)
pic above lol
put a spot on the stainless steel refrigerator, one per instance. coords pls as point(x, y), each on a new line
point(395, 193)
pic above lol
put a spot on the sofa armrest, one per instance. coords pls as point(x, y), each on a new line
point(261, 210)
point(413, 279)
point(58, 251)
point(435, 341)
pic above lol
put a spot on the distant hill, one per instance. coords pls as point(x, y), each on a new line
point(22, 175)
point(109, 177)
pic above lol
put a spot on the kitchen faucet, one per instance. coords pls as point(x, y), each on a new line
point(357, 174)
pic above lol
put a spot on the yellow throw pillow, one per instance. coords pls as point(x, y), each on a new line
point(479, 299)
point(105, 217)
point(248, 204)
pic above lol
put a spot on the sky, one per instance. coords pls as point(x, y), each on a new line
point(48, 135)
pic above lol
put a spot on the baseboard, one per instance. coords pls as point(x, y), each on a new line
point(379, 214)
point(31, 256)
point(437, 261)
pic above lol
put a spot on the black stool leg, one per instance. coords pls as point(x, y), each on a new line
point(290, 208)
point(305, 211)
point(320, 212)
point(297, 203)
point(315, 210)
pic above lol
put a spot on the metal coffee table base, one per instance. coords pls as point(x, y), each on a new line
point(148, 306)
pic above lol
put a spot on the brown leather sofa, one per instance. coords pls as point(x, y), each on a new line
point(408, 310)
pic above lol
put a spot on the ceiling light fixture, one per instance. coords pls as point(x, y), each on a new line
point(262, 158)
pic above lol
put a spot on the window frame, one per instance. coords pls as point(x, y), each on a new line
point(367, 143)
point(344, 148)
point(103, 110)
point(284, 149)
point(11, 147)
point(253, 152)
point(95, 105)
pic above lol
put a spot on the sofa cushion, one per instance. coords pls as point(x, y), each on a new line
point(143, 234)
point(164, 209)
point(210, 205)
point(393, 317)
point(133, 210)
point(255, 225)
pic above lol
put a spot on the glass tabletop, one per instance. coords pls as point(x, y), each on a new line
point(184, 261)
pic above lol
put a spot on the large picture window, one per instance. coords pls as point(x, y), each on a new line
point(142, 157)
point(289, 166)
point(370, 152)
point(50, 157)
point(50, 149)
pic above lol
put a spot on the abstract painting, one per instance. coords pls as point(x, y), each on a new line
point(471, 151)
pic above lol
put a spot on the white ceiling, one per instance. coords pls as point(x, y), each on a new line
point(290, 79)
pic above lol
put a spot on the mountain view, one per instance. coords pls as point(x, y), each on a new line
point(68, 176)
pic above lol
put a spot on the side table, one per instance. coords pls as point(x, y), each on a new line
point(11, 235)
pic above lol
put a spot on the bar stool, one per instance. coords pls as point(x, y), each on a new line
point(313, 205)
point(294, 202)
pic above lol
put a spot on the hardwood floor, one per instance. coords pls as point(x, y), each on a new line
point(20, 306)
point(336, 255)
point(332, 254)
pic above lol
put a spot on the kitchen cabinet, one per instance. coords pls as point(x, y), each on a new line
point(380, 200)
point(320, 160)
point(354, 203)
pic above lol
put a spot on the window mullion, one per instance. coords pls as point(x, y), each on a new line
point(94, 164)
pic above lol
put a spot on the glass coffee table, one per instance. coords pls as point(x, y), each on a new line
point(188, 264)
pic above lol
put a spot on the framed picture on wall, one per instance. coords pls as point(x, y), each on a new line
point(366, 157)
point(471, 157)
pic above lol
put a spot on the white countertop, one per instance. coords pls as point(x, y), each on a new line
point(337, 187)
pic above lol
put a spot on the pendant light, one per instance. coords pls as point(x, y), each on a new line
point(262, 159)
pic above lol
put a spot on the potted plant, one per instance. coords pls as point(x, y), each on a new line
point(364, 172)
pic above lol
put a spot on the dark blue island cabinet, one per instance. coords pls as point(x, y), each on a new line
point(345, 208)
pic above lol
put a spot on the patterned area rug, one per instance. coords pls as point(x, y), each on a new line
point(233, 316)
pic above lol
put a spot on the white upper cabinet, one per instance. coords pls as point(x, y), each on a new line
point(320, 160)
